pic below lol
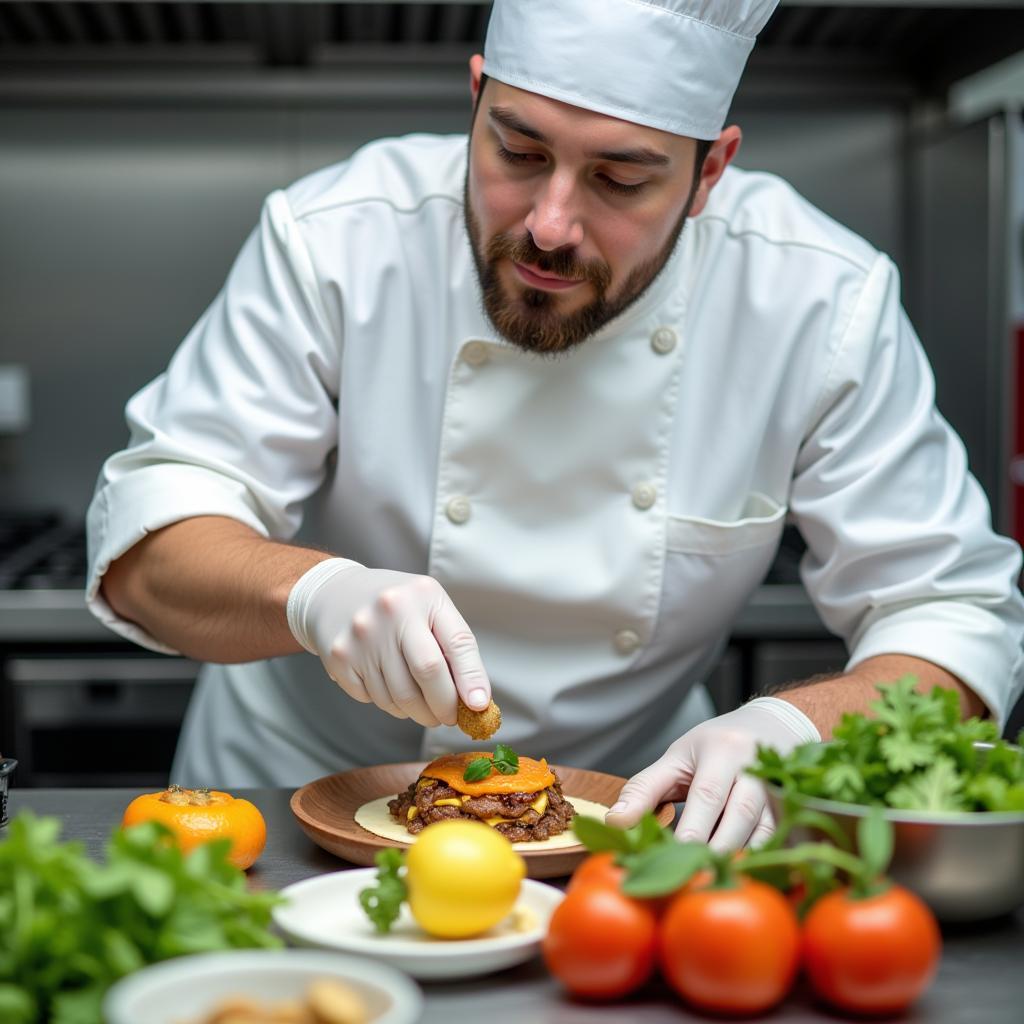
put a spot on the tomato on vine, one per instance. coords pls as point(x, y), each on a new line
point(600, 943)
point(870, 954)
point(730, 948)
point(597, 869)
point(730, 941)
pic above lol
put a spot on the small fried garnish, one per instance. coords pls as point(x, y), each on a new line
point(292, 1012)
point(235, 1008)
point(334, 1003)
point(327, 1001)
point(479, 725)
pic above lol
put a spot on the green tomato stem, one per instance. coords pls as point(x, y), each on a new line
point(792, 856)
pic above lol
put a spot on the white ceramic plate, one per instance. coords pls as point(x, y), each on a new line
point(188, 988)
point(325, 912)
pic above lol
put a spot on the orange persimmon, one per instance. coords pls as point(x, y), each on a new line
point(199, 815)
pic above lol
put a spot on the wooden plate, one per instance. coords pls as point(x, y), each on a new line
point(325, 810)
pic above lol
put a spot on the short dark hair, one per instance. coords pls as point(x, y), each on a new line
point(476, 105)
point(703, 148)
point(703, 145)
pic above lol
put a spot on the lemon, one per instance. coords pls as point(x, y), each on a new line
point(462, 877)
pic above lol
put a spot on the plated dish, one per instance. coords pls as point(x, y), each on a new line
point(522, 800)
point(324, 912)
point(326, 811)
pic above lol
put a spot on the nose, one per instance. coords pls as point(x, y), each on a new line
point(553, 220)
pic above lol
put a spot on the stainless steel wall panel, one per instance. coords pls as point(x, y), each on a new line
point(847, 160)
point(958, 289)
point(118, 228)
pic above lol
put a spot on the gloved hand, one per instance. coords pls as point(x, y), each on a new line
point(393, 639)
point(706, 767)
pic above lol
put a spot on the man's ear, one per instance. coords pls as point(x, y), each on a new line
point(721, 154)
point(476, 70)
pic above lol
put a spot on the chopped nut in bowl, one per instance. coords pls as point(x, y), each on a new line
point(289, 986)
point(327, 1001)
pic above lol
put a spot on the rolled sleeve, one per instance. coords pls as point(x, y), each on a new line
point(242, 423)
point(143, 501)
point(971, 642)
point(901, 555)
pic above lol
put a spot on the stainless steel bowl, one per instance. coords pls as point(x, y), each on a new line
point(7, 765)
point(965, 866)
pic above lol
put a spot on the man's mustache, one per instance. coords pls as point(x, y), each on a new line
point(561, 262)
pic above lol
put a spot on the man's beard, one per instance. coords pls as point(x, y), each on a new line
point(529, 319)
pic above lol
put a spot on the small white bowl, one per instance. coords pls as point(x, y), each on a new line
point(189, 987)
point(325, 912)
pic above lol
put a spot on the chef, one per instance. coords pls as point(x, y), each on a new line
point(524, 415)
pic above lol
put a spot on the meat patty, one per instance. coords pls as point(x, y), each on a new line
point(525, 824)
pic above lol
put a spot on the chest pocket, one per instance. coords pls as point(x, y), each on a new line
point(711, 567)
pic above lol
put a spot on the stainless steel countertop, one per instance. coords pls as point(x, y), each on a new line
point(979, 982)
point(60, 616)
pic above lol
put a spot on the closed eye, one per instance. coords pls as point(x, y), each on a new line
point(512, 157)
point(621, 187)
point(515, 158)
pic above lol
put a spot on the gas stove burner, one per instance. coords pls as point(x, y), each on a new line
point(41, 551)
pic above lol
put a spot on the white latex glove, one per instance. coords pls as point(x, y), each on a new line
point(706, 768)
point(388, 638)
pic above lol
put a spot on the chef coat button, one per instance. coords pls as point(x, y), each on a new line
point(644, 495)
point(627, 641)
point(458, 510)
point(663, 340)
point(475, 353)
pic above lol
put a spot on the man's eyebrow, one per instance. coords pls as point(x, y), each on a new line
point(633, 155)
point(508, 120)
point(637, 155)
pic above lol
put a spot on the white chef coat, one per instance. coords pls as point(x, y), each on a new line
point(599, 518)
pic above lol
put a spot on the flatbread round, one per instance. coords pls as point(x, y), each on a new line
point(376, 818)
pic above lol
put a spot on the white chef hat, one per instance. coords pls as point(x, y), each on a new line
point(670, 64)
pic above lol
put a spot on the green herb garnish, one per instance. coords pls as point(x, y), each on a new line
point(914, 754)
point(383, 901)
point(505, 761)
point(70, 927)
point(477, 769)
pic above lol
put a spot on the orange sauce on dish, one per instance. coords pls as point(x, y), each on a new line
point(532, 777)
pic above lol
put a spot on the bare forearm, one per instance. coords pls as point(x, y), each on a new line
point(211, 588)
point(825, 700)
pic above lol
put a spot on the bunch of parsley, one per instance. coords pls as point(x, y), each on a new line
point(70, 927)
point(914, 753)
